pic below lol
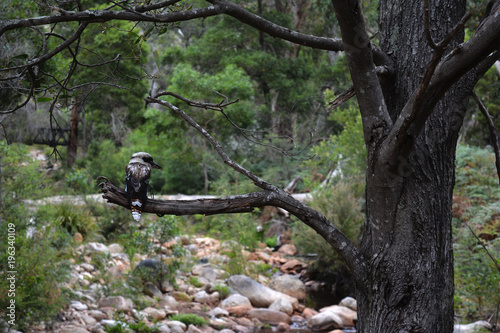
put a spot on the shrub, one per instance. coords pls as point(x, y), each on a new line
point(190, 318)
point(37, 291)
point(344, 209)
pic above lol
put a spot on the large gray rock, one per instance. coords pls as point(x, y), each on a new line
point(289, 285)
point(258, 294)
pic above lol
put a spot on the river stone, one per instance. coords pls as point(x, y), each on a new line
point(73, 329)
point(157, 314)
point(268, 316)
point(202, 297)
point(325, 321)
point(347, 315)
point(282, 305)
point(236, 300)
point(115, 248)
point(169, 301)
point(258, 294)
point(289, 285)
point(288, 250)
point(152, 290)
point(117, 302)
point(350, 303)
point(97, 247)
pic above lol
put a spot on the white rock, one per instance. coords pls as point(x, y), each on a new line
point(97, 247)
point(78, 306)
point(236, 300)
point(258, 294)
point(350, 303)
point(115, 248)
point(325, 321)
point(472, 327)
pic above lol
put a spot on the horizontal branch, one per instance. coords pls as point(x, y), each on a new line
point(246, 203)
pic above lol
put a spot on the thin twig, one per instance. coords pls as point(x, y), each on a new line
point(495, 262)
point(341, 99)
point(256, 180)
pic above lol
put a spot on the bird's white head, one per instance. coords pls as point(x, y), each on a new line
point(144, 158)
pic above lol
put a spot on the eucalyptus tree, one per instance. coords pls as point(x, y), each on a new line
point(411, 89)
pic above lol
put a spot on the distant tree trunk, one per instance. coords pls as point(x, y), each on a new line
point(73, 135)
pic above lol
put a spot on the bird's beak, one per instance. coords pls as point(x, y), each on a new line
point(154, 165)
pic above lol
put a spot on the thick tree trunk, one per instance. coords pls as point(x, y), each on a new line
point(407, 238)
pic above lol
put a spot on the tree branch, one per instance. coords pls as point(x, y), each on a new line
point(359, 54)
point(246, 203)
point(442, 73)
point(493, 132)
point(271, 196)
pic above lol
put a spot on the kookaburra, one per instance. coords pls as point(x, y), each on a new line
point(137, 175)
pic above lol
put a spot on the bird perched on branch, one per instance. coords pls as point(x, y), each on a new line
point(137, 175)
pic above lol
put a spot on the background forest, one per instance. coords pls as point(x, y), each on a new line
point(280, 128)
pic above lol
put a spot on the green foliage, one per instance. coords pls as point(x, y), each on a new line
point(71, 218)
point(271, 241)
point(138, 327)
point(223, 290)
point(343, 208)
point(237, 263)
point(476, 210)
point(193, 280)
point(343, 152)
point(190, 318)
point(237, 227)
point(111, 110)
point(79, 180)
point(35, 250)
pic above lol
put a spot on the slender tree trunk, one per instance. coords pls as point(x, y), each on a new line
point(73, 135)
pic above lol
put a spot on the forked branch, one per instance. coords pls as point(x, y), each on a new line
point(270, 196)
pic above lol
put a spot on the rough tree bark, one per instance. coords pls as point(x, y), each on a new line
point(411, 91)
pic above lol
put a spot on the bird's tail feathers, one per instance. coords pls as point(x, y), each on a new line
point(136, 207)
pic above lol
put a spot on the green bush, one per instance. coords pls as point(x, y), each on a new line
point(343, 208)
point(190, 318)
point(71, 218)
point(34, 250)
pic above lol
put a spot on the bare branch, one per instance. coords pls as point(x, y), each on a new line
point(443, 71)
point(56, 50)
point(493, 132)
point(495, 261)
point(359, 52)
point(256, 180)
point(272, 196)
point(202, 105)
point(341, 99)
point(245, 203)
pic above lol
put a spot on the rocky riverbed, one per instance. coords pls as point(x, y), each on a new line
point(227, 303)
point(274, 303)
